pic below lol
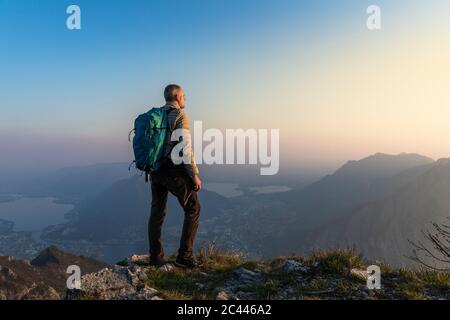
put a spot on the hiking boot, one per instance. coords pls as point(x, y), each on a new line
point(157, 262)
point(189, 262)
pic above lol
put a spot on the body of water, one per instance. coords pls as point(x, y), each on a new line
point(230, 190)
point(269, 189)
point(33, 214)
point(227, 190)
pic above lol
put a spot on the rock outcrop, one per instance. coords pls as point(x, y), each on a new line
point(338, 274)
point(107, 284)
point(326, 275)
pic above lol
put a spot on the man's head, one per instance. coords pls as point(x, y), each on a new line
point(174, 94)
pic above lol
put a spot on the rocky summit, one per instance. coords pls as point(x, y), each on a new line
point(336, 274)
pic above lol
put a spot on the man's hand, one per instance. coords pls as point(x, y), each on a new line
point(197, 182)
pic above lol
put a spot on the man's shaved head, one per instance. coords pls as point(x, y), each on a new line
point(171, 91)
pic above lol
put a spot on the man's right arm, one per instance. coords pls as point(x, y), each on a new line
point(182, 122)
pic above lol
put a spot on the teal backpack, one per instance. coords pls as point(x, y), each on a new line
point(150, 131)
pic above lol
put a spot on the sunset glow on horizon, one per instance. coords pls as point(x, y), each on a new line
point(336, 90)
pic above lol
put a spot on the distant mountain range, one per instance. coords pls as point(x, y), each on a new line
point(375, 204)
point(381, 229)
point(70, 184)
point(355, 183)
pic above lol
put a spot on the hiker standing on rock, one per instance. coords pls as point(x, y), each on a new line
point(182, 180)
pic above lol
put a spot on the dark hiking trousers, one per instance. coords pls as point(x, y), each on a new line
point(177, 182)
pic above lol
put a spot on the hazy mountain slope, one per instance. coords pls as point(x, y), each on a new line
point(381, 229)
point(71, 183)
point(355, 183)
point(77, 182)
point(125, 207)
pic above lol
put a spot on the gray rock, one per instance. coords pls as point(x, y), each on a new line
point(246, 276)
point(143, 277)
point(109, 285)
point(146, 293)
point(104, 285)
point(290, 266)
point(133, 277)
point(120, 270)
point(136, 269)
point(200, 285)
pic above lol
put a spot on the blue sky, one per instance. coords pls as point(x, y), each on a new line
point(130, 47)
point(80, 90)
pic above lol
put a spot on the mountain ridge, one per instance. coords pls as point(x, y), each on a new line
point(353, 184)
point(43, 277)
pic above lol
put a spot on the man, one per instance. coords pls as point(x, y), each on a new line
point(181, 180)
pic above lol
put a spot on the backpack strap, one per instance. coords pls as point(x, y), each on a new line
point(167, 159)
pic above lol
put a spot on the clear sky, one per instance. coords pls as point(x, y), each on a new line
point(336, 90)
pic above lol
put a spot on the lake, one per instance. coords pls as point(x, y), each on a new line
point(230, 190)
point(33, 214)
point(227, 190)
